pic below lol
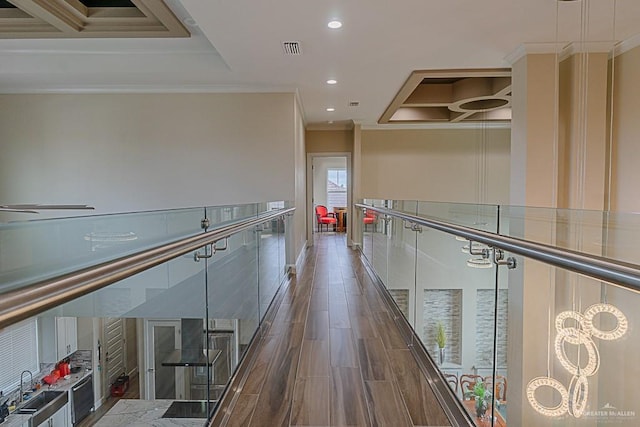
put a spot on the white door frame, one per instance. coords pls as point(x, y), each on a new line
point(310, 210)
point(150, 356)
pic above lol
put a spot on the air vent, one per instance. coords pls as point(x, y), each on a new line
point(292, 48)
point(354, 103)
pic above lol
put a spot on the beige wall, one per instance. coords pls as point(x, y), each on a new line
point(300, 218)
point(329, 141)
point(582, 132)
point(626, 133)
point(129, 152)
point(125, 152)
point(435, 164)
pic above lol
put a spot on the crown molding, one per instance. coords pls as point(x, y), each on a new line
point(626, 45)
point(93, 89)
point(533, 48)
point(567, 49)
point(443, 125)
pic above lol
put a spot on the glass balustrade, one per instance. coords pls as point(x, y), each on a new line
point(168, 338)
point(557, 344)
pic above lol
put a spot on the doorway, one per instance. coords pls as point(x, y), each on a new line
point(329, 184)
point(162, 339)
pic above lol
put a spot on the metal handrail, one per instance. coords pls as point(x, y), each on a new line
point(22, 303)
point(625, 275)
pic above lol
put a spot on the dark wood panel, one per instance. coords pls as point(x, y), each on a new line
point(261, 365)
point(274, 402)
point(358, 305)
point(348, 402)
point(339, 315)
point(333, 355)
point(343, 351)
point(314, 360)
point(319, 299)
point(386, 407)
point(373, 360)
point(363, 327)
point(243, 410)
point(311, 402)
point(388, 331)
point(317, 325)
point(423, 407)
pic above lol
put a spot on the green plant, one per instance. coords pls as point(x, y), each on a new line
point(481, 395)
point(441, 337)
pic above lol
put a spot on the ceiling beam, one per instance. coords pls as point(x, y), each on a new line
point(53, 12)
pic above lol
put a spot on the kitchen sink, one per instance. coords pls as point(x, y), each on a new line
point(44, 405)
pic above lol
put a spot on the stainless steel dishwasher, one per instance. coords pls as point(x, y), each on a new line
point(82, 399)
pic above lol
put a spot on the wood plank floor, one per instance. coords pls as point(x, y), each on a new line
point(333, 356)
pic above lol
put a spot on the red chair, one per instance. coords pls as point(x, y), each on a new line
point(325, 217)
point(369, 218)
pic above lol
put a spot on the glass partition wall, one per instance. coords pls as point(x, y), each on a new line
point(166, 340)
point(536, 345)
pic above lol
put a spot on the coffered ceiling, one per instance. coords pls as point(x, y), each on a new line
point(37, 19)
point(237, 46)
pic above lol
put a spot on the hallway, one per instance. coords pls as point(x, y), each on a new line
point(333, 356)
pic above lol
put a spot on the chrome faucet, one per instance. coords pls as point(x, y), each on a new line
point(21, 398)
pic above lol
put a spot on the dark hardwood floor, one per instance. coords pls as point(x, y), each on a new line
point(333, 356)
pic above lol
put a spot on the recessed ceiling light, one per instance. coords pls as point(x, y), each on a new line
point(331, 109)
point(331, 82)
point(334, 25)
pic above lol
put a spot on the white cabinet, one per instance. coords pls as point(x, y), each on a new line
point(58, 338)
point(67, 336)
point(59, 419)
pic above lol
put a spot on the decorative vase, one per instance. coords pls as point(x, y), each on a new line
point(441, 355)
point(481, 408)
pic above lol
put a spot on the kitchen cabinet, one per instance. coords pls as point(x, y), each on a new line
point(58, 338)
point(67, 336)
point(59, 419)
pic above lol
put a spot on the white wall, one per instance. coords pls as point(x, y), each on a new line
point(320, 167)
point(125, 152)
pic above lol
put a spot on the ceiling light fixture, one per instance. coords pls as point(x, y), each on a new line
point(331, 82)
point(331, 109)
point(334, 25)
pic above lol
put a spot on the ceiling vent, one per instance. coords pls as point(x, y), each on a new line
point(292, 48)
point(354, 103)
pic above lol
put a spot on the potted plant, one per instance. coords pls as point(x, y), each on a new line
point(441, 340)
point(482, 397)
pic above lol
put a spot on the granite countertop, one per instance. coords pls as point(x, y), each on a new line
point(144, 413)
point(18, 420)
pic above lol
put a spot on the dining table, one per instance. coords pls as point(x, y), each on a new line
point(470, 406)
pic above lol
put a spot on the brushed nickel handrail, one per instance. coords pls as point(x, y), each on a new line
point(625, 275)
point(22, 303)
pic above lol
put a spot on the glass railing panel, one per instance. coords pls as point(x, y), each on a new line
point(480, 217)
point(269, 261)
point(380, 234)
point(220, 215)
point(233, 299)
point(143, 337)
point(454, 307)
point(575, 341)
point(401, 250)
point(35, 250)
point(609, 234)
point(369, 221)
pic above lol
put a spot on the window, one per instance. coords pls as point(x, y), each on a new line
point(336, 188)
point(18, 352)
